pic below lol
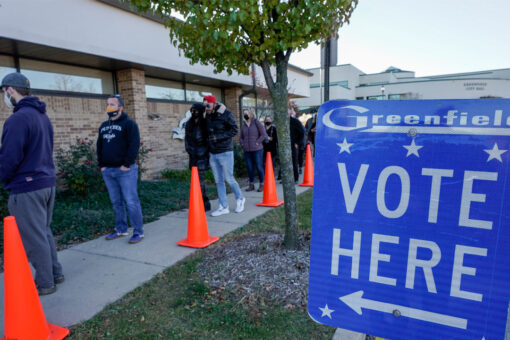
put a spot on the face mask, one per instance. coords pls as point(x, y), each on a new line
point(111, 112)
point(268, 123)
point(246, 117)
point(8, 100)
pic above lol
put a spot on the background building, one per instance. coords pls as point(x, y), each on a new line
point(78, 52)
point(348, 82)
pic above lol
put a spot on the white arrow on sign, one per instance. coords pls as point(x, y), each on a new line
point(356, 302)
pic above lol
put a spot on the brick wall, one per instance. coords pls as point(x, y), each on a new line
point(232, 100)
point(72, 117)
point(167, 151)
point(77, 117)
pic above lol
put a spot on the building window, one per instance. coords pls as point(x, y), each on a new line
point(396, 96)
point(249, 102)
point(342, 83)
point(6, 66)
point(196, 93)
point(164, 89)
point(381, 97)
point(61, 77)
point(262, 107)
point(360, 98)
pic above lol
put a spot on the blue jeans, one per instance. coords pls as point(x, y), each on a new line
point(222, 165)
point(254, 158)
point(122, 186)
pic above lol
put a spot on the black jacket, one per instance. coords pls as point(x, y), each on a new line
point(118, 142)
point(221, 127)
point(297, 132)
point(196, 143)
point(271, 145)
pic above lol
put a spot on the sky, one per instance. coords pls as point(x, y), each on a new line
point(430, 37)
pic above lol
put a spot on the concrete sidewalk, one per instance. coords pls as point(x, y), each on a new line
point(99, 272)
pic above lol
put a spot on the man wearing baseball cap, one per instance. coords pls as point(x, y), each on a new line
point(27, 171)
point(221, 127)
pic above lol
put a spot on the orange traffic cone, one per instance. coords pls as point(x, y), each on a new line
point(23, 314)
point(308, 176)
point(198, 236)
point(270, 198)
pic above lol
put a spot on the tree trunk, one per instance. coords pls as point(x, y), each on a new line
point(278, 90)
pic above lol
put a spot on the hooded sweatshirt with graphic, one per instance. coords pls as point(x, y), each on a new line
point(118, 142)
point(26, 154)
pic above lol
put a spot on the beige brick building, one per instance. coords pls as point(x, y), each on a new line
point(77, 53)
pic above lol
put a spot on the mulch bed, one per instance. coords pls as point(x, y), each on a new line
point(258, 266)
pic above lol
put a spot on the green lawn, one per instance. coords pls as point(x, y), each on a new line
point(178, 304)
point(78, 219)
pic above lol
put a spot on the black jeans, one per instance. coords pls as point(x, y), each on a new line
point(202, 165)
point(201, 177)
point(295, 165)
point(301, 156)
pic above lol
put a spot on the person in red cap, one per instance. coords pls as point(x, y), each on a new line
point(221, 127)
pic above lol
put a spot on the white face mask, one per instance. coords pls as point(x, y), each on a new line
point(7, 100)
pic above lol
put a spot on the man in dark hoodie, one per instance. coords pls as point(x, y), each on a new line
point(27, 171)
point(221, 127)
point(117, 147)
point(195, 141)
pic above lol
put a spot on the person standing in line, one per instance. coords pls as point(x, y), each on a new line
point(311, 128)
point(252, 137)
point(117, 147)
point(27, 171)
point(297, 135)
point(302, 148)
point(271, 145)
point(221, 128)
point(195, 141)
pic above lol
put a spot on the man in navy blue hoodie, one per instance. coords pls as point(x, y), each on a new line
point(117, 147)
point(27, 171)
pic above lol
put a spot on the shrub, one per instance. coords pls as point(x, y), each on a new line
point(77, 167)
point(185, 175)
point(143, 153)
point(4, 197)
point(240, 168)
point(178, 175)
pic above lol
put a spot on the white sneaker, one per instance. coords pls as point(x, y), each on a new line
point(240, 205)
point(221, 211)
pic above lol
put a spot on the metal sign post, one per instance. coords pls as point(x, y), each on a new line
point(411, 218)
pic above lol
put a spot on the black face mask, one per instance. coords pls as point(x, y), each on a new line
point(268, 123)
point(112, 113)
point(195, 114)
point(246, 117)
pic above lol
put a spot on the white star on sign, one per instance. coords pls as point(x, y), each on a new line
point(326, 311)
point(495, 153)
point(412, 149)
point(344, 146)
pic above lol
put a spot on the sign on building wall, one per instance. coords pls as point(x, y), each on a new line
point(411, 218)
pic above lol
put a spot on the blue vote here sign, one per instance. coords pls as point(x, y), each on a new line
point(411, 218)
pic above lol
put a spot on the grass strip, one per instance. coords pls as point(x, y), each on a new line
point(78, 219)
